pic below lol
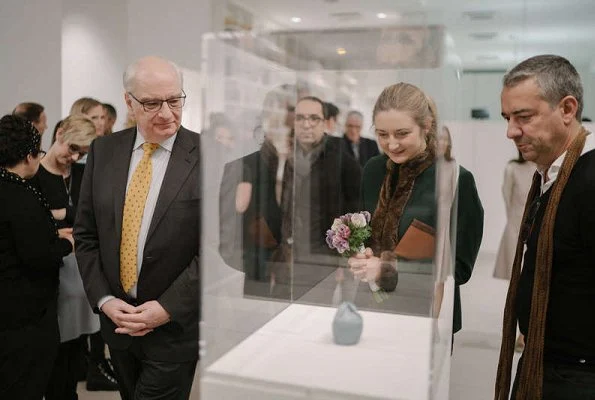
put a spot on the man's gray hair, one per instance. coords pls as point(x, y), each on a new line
point(130, 74)
point(554, 75)
point(356, 114)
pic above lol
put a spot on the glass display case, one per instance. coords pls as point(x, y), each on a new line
point(286, 200)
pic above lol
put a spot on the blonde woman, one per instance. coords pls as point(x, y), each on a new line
point(399, 190)
point(59, 179)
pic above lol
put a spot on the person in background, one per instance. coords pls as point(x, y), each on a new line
point(92, 109)
point(100, 375)
point(552, 296)
point(34, 113)
point(518, 176)
point(31, 251)
point(111, 115)
point(59, 179)
point(250, 196)
point(399, 190)
point(330, 123)
point(360, 148)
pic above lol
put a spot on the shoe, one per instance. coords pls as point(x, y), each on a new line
point(100, 377)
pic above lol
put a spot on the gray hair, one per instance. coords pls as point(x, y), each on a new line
point(355, 113)
point(130, 74)
point(554, 75)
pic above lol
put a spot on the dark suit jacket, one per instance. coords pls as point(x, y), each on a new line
point(169, 271)
point(367, 149)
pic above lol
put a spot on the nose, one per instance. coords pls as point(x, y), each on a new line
point(393, 144)
point(513, 131)
point(165, 112)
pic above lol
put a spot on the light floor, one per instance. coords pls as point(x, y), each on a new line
point(476, 347)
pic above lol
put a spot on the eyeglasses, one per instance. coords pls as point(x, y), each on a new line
point(312, 119)
point(155, 105)
point(529, 222)
point(74, 149)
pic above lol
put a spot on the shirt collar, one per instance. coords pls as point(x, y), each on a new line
point(167, 144)
point(554, 169)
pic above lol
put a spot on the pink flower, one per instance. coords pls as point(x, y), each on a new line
point(358, 220)
point(340, 244)
point(344, 231)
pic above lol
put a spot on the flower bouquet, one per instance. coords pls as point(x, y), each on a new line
point(348, 235)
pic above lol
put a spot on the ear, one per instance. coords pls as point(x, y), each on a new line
point(59, 134)
point(128, 101)
point(568, 107)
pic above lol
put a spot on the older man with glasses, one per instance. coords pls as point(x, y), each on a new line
point(137, 235)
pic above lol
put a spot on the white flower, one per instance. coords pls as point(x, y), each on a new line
point(358, 220)
point(336, 224)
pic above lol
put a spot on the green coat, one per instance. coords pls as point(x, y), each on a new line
point(422, 206)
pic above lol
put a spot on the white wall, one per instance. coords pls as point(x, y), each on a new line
point(94, 48)
point(30, 47)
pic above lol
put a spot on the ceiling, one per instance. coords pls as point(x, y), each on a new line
point(482, 35)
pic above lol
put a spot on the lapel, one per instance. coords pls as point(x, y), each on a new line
point(184, 156)
point(121, 164)
point(348, 145)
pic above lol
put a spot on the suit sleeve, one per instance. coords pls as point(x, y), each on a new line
point(87, 241)
point(469, 227)
point(181, 299)
point(351, 176)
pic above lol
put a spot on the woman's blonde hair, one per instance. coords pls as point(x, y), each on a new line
point(77, 130)
point(83, 105)
point(409, 98)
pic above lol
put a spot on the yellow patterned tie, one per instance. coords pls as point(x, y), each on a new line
point(134, 205)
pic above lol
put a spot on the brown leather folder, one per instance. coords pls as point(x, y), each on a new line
point(261, 234)
point(418, 242)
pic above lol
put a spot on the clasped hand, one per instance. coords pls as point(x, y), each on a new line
point(365, 266)
point(135, 321)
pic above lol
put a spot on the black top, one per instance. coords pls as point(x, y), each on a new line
point(570, 326)
point(30, 256)
point(59, 192)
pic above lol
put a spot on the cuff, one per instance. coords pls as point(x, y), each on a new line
point(104, 300)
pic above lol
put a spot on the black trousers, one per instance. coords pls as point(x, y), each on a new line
point(27, 356)
point(564, 382)
point(64, 377)
point(143, 379)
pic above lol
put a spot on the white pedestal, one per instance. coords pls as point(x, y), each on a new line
point(294, 357)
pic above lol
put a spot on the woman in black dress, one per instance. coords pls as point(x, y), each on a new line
point(31, 251)
point(59, 179)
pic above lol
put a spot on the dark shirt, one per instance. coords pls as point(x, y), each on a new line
point(570, 327)
point(60, 192)
point(30, 256)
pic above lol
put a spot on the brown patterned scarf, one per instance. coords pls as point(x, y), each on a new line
point(390, 207)
point(531, 374)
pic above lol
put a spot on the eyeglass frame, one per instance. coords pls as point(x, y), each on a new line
point(313, 119)
point(75, 149)
point(143, 103)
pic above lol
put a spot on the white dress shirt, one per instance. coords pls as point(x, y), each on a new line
point(159, 161)
point(552, 172)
